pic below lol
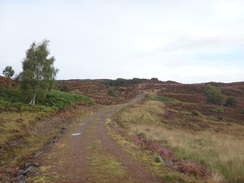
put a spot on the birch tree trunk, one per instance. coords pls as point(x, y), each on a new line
point(33, 100)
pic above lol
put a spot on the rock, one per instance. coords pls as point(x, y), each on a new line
point(36, 164)
point(26, 165)
point(37, 154)
point(19, 176)
point(22, 181)
point(36, 174)
point(29, 169)
point(64, 128)
point(168, 163)
point(49, 144)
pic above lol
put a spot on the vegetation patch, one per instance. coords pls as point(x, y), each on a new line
point(105, 168)
point(214, 95)
point(173, 178)
point(61, 99)
point(218, 109)
point(231, 102)
point(162, 99)
point(193, 168)
point(25, 128)
point(203, 154)
point(195, 113)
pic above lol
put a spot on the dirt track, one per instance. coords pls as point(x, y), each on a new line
point(87, 154)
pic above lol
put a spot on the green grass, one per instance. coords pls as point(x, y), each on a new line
point(222, 153)
point(13, 100)
point(217, 110)
point(62, 99)
point(104, 167)
point(18, 119)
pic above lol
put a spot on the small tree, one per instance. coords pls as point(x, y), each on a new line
point(154, 79)
point(8, 72)
point(214, 95)
point(231, 102)
point(38, 74)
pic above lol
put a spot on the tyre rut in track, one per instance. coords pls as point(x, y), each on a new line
point(80, 152)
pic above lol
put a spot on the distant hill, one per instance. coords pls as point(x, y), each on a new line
point(7, 82)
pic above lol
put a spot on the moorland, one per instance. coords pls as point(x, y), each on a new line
point(177, 131)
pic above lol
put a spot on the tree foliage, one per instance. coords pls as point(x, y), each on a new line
point(38, 74)
point(231, 102)
point(154, 79)
point(8, 72)
point(214, 95)
point(121, 81)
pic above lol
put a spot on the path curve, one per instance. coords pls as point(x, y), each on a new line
point(70, 159)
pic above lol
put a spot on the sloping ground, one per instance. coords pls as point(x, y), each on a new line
point(87, 154)
point(100, 92)
point(25, 146)
point(193, 98)
point(7, 82)
point(204, 145)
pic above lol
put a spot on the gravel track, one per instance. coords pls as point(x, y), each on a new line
point(69, 159)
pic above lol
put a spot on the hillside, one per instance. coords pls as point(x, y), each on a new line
point(164, 128)
point(7, 82)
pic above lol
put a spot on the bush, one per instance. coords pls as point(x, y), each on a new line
point(158, 159)
point(242, 111)
point(12, 100)
point(64, 88)
point(154, 79)
point(214, 95)
point(193, 168)
point(231, 102)
point(139, 138)
point(61, 99)
point(155, 147)
point(111, 92)
point(11, 95)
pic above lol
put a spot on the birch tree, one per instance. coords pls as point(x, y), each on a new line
point(38, 74)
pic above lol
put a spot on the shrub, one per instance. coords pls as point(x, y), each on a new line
point(214, 95)
point(231, 102)
point(139, 138)
point(111, 92)
point(61, 99)
point(154, 79)
point(193, 168)
point(155, 147)
point(158, 159)
point(65, 88)
point(12, 100)
point(128, 138)
point(242, 111)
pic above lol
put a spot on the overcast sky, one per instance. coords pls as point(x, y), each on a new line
point(188, 41)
